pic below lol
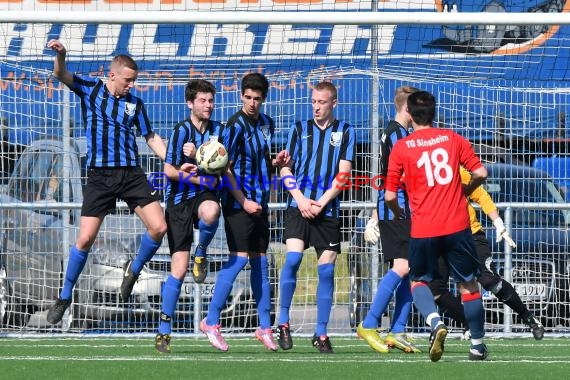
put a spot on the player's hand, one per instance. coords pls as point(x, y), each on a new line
point(502, 233)
point(309, 208)
point(252, 207)
point(371, 233)
point(189, 150)
point(57, 46)
point(189, 168)
point(282, 159)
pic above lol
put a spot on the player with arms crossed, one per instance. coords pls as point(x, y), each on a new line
point(395, 238)
point(428, 161)
point(110, 112)
point(320, 149)
point(191, 200)
point(245, 206)
point(489, 278)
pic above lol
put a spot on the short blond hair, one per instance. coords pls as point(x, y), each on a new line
point(402, 93)
point(326, 85)
point(123, 60)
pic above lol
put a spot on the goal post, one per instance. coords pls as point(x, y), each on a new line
point(500, 79)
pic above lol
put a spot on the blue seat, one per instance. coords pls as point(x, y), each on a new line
point(559, 169)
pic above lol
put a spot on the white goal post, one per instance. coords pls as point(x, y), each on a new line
point(500, 79)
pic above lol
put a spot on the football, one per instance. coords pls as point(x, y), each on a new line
point(212, 157)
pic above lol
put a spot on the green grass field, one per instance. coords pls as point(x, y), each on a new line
point(193, 358)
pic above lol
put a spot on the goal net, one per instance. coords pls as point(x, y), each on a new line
point(503, 86)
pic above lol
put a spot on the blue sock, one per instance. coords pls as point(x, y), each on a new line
point(224, 284)
point(75, 264)
point(325, 290)
point(402, 307)
point(383, 296)
point(146, 251)
point(474, 314)
point(423, 299)
point(207, 232)
point(170, 294)
point(261, 289)
point(288, 283)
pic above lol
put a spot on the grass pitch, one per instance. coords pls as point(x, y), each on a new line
point(193, 358)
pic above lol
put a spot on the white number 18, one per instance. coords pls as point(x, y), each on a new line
point(436, 167)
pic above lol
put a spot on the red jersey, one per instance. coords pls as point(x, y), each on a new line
point(429, 160)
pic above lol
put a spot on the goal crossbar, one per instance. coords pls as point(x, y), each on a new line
point(265, 17)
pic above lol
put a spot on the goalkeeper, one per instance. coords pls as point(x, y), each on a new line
point(489, 278)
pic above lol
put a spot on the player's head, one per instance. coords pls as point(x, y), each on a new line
point(324, 100)
point(401, 97)
point(421, 106)
point(123, 73)
point(199, 95)
point(254, 89)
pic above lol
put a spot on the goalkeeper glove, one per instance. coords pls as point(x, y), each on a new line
point(371, 233)
point(502, 233)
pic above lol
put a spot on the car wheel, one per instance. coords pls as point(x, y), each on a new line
point(563, 300)
point(4, 295)
point(14, 311)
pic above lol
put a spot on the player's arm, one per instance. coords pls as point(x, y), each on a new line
point(344, 167)
point(249, 206)
point(290, 183)
point(59, 66)
point(395, 172)
point(157, 145)
point(478, 176)
point(483, 199)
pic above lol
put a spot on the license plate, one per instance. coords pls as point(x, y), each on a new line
point(531, 291)
point(206, 290)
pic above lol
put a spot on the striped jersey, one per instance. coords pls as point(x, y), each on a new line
point(185, 132)
point(109, 123)
point(393, 132)
point(316, 154)
point(252, 159)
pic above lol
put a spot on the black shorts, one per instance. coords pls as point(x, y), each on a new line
point(488, 277)
point(181, 219)
point(395, 238)
point(457, 249)
point(323, 232)
point(245, 232)
point(106, 185)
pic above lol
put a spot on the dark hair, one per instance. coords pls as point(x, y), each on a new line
point(255, 82)
point(421, 107)
point(325, 85)
point(194, 86)
point(123, 60)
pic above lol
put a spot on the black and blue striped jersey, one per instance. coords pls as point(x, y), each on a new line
point(252, 161)
point(316, 154)
point(393, 132)
point(185, 132)
point(109, 123)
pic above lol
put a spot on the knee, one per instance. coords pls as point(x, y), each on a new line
point(85, 241)
point(157, 230)
point(489, 281)
point(210, 213)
